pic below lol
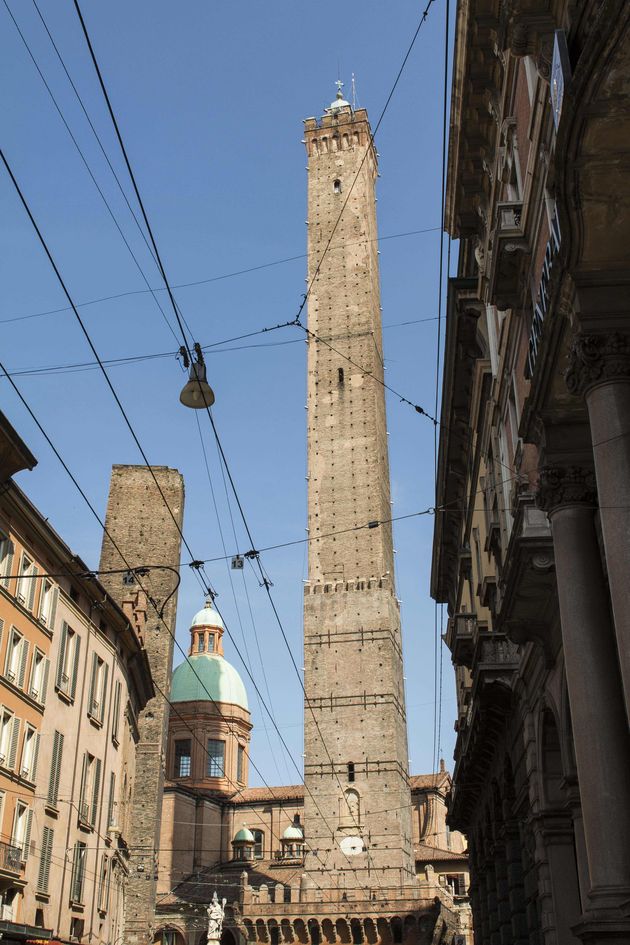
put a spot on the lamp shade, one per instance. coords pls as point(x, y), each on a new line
point(197, 393)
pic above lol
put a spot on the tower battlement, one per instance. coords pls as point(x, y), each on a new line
point(361, 584)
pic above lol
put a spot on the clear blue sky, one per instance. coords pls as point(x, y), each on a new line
point(210, 98)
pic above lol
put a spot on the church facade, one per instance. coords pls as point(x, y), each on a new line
point(360, 851)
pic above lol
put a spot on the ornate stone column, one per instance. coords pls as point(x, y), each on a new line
point(599, 370)
point(602, 745)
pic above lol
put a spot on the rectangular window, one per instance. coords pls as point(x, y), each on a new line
point(78, 872)
point(21, 835)
point(48, 603)
point(240, 759)
point(111, 806)
point(116, 712)
point(90, 790)
point(55, 769)
point(103, 884)
point(200, 643)
point(16, 658)
point(9, 735)
point(211, 642)
point(216, 758)
point(68, 662)
point(30, 753)
point(45, 858)
point(25, 592)
point(40, 669)
point(98, 689)
point(182, 758)
point(7, 553)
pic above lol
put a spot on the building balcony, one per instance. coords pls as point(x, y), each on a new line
point(11, 859)
point(508, 257)
point(460, 638)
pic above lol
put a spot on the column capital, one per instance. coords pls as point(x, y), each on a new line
point(566, 485)
point(596, 358)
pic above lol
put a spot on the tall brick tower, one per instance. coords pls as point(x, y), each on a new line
point(357, 805)
point(142, 527)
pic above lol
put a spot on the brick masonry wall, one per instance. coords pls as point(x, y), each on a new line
point(144, 530)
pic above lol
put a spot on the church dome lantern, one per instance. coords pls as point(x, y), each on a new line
point(210, 730)
point(292, 840)
point(243, 844)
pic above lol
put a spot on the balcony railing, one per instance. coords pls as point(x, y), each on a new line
point(509, 253)
point(11, 857)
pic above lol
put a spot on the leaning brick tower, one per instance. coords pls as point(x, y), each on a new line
point(357, 805)
point(146, 532)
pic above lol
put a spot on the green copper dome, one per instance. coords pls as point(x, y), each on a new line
point(293, 832)
point(205, 676)
point(244, 836)
point(207, 617)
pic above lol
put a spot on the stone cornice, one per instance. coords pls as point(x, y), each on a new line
point(597, 358)
point(566, 485)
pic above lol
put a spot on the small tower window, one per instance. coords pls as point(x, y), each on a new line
point(211, 643)
point(340, 375)
point(351, 771)
point(200, 643)
point(337, 186)
point(259, 844)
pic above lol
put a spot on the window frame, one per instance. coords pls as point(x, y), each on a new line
point(212, 759)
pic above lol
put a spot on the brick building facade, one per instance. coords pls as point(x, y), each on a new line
point(531, 536)
point(73, 679)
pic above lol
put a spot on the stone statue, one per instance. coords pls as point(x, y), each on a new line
point(216, 912)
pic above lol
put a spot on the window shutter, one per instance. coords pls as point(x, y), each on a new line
point(62, 653)
point(92, 693)
point(55, 769)
point(7, 656)
point(75, 667)
point(53, 609)
point(116, 710)
point(23, 661)
point(96, 788)
point(77, 873)
point(33, 772)
point(45, 675)
point(44, 862)
point(15, 734)
point(30, 600)
point(82, 798)
point(1, 629)
point(103, 693)
point(8, 561)
point(26, 846)
point(112, 795)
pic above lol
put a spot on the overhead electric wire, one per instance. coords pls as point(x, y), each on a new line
point(87, 166)
point(134, 435)
point(198, 282)
point(236, 607)
point(80, 366)
point(150, 599)
point(265, 581)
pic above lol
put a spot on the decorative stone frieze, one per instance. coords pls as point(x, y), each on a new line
point(566, 485)
point(596, 358)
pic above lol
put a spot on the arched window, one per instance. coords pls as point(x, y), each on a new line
point(259, 844)
point(337, 186)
